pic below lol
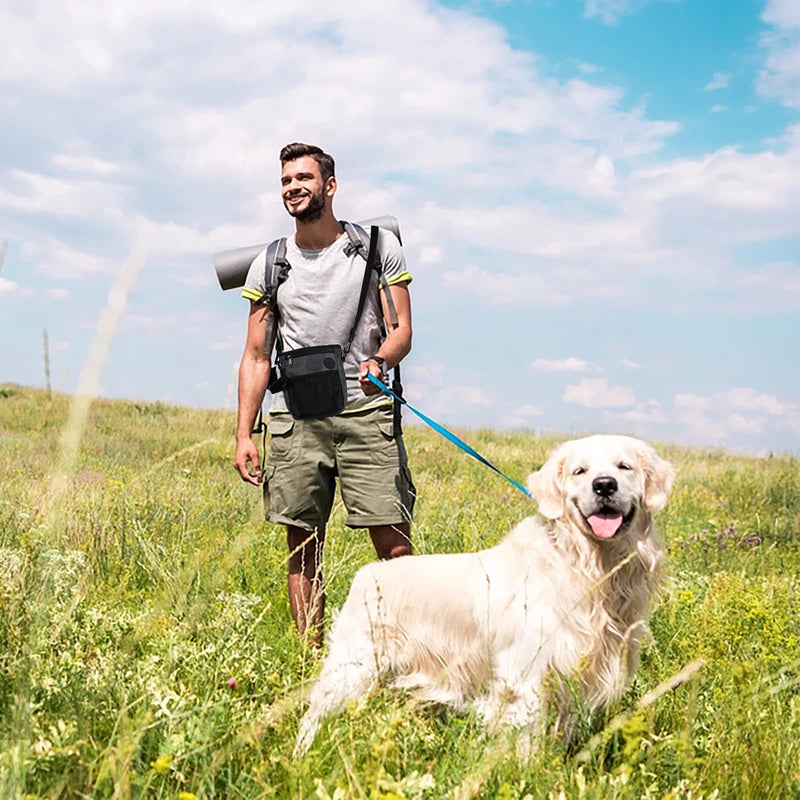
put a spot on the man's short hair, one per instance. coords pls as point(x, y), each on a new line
point(295, 150)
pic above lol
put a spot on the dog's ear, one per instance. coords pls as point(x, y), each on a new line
point(659, 476)
point(546, 486)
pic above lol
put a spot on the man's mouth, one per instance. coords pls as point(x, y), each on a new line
point(606, 522)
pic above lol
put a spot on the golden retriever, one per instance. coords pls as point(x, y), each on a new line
point(561, 598)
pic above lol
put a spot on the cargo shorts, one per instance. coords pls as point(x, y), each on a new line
point(307, 455)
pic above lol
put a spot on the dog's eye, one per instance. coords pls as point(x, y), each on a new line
point(623, 465)
point(579, 471)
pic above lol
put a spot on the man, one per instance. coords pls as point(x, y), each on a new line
point(317, 304)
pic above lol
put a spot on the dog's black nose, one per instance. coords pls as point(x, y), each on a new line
point(603, 486)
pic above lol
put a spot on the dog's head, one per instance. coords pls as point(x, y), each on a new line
point(602, 483)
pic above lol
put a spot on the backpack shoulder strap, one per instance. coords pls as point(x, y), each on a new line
point(360, 242)
point(372, 258)
point(276, 270)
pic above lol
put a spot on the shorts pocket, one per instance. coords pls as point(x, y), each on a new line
point(384, 444)
point(386, 427)
point(268, 476)
point(281, 440)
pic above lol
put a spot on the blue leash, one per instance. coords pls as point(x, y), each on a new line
point(447, 435)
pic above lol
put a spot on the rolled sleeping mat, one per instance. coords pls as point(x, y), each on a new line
point(232, 266)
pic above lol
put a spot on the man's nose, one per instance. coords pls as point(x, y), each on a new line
point(604, 486)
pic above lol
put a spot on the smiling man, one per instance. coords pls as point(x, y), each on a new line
point(316, 305)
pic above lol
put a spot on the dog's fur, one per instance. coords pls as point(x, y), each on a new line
point(563, 598)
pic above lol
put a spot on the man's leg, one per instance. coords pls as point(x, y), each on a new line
point(391, 541)
point(306, 588)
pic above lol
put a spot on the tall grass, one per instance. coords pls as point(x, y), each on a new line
point(146, 648)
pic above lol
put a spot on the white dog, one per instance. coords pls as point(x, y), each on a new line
point(566, 597)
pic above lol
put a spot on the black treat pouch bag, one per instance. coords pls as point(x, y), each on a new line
point(314, 384)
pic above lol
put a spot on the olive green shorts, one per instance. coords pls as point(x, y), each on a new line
point(306, 456)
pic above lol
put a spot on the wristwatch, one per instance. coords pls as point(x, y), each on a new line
point(379, 360)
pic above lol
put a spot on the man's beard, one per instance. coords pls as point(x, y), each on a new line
point(313, 211)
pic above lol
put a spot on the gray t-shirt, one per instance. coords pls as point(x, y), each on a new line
point(318, 303)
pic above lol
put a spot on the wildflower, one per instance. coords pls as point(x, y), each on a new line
point(187, 796)
point(161, 764)
point(750, 539)
point(232, 683)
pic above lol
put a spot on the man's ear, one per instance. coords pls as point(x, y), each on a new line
point(330, 186)
point(659, 475)
point(546, 486)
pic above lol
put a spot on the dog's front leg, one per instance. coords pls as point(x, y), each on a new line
point(339, 682)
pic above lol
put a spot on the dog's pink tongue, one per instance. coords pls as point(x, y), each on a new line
point(605, 527)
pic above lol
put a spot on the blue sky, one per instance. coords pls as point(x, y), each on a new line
point(598, 199)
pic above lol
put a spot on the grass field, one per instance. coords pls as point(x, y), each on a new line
point(146, 648)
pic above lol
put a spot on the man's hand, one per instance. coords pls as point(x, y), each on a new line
point(369, 367)
point(247, 453)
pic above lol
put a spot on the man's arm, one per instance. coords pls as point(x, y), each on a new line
point(397, 344)
point(253, 380)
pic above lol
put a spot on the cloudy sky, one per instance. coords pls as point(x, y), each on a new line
point(599, 200)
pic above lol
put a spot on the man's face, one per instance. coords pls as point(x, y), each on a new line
point(303, 192)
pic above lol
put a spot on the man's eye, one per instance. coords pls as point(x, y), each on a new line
point(579, 471)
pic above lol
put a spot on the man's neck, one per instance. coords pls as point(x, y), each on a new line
point(319, 234)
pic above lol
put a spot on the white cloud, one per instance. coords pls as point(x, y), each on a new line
point(780, 78)
point(645, 414)
point(40, 194)
point(720, 416)
point(610, 11)
point(691, 401)
point(717, 109)
point(781, 276)
point(745, 397)
point(740, 397)
point(601, 175)
point(522, 416)
point(719, 80)
point(598, 393)
point(501, 288)
point(11, 289)
point(54, 258)
point(85, 163)
point(727, 180)
point(570, 364)
point(628, 364)
point(528, 411)
point(431, 254)
point(737, 423)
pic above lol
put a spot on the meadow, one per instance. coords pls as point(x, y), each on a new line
point(146, 647)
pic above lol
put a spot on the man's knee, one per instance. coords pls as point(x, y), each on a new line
point(400, 550)
point(391, 541)
point(305, 548)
